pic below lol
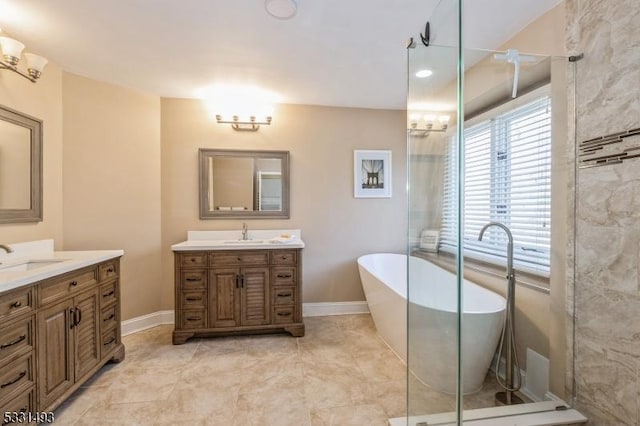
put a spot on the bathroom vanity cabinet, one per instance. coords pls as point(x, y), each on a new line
point(226, 292)
point(56, 333)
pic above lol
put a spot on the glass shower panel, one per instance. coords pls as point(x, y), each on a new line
point(516, 177)
point(432, 262)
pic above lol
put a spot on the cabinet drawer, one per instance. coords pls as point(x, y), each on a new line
point(239, 258)
point(24, 403)
point(284, 295)
point(16, 302)
point(283, 276)
point(283, 257)
point(193, 279)
point(16, 339)
point(193, 259)
point(284, 314)
point(16, 375)
point(66, 285)
point(193, 300)
point(193, 319)
point(109, 341)
point(109, 317)
point(108, 270)
point(108, 293)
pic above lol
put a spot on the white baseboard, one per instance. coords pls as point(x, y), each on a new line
point(144, 322)
point(334, 308)
point(154, 319)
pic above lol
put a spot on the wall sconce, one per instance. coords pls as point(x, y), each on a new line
point(11, 54)
point(252, 125)
point(423, 125)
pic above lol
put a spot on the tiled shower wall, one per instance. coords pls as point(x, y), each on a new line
point(607, 289)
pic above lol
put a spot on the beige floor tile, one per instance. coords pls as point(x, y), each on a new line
point(222, 345)
point(216, 404)
point(359, 415)
point(141, 413)
point(141, 385)
point(329, 385)
point(391, 396)
point(382, 366)
point(287, 407)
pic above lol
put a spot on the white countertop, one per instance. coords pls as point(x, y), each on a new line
point(263, 239)
point(42, 251)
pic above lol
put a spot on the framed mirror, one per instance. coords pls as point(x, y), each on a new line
point(244, 184)
point(20, 167)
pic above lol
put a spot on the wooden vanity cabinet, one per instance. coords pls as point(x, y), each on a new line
point(53, 335)
point(237, 292)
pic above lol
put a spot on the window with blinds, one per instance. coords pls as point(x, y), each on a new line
point(507, 179)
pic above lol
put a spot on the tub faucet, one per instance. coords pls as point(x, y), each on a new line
point(508, 337)
point(510, 273)
point(6, 248)
point(244, 231)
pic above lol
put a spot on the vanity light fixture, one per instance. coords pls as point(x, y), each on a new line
point(11, 54)
point(424, 73)
point(251, 125)
point(425, 124)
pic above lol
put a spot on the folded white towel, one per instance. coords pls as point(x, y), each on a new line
point(238, 208)
point(224, 208)
point(284, 240)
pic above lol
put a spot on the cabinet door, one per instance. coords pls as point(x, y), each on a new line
point(255, 296)
point(55, 351)
point(87, 349)
point(224, 298)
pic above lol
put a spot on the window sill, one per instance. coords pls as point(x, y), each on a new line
point(448, 262)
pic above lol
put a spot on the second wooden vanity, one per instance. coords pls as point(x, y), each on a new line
point(222, 292)
point(56, 332)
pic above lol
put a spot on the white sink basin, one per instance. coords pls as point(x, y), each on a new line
point(249, 242)
point(29, 265)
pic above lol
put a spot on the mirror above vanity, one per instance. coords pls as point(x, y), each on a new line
point(244, 184)
point(20, 167)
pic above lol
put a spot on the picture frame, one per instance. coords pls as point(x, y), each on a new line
point(372, 173)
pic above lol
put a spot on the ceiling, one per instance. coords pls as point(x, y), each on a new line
point(333, 52)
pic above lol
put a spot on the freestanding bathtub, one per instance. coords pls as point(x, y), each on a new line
point(432, 319)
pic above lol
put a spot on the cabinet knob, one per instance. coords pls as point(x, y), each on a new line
point(284, 294)
point(110, 341)
point(73, 283)
point(193, 299)
point(284, 314)
point(111, 293)
point(109, 318)
point(16, 304)
point(110, 269)
point(284, 275)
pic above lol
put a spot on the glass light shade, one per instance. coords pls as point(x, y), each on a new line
point(443, 119)
point(35, 62)
point(281, 9)
point(428, 118)
point(11, 50)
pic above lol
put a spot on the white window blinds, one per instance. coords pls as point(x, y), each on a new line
point(507, 172)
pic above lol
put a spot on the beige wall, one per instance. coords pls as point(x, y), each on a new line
point(336, 227)
point(112, 182)
point(43, 101)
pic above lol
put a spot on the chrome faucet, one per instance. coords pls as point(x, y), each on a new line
point(6, 248)
point(244, 232)
point(510, 273)
point(508, 337)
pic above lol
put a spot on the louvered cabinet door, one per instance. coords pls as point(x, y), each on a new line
point(224, 297)
point(87, 347)
point(255, 296)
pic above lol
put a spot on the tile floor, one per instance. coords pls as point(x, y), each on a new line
point(340, 373)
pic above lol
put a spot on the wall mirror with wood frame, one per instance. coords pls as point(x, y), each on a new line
point(244, 184)
point(20, 167)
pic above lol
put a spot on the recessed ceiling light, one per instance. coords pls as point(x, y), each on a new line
point(281, 9)
point(424, 73)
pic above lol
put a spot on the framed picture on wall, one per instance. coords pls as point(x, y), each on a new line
point(371, 174)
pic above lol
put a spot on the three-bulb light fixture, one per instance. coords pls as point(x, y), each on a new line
point(424, 124)
point(11, 55)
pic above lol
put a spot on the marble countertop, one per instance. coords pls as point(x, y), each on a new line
point(55, 262)
point(269, 239)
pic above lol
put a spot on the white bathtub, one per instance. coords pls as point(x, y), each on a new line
point(432, 319)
